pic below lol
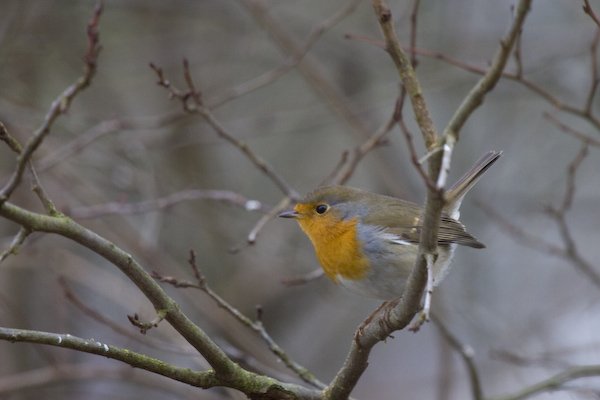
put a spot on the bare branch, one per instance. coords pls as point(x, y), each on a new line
point(413, 32)
point(290, 63)
point(466, 353)
point(201, 379)
point(303, 279)
point(146, 326)
point(518, 234)
point(537, 89)
point(121, 208)
point(543, 360)
point(38, 189)
point(10, 384)
point(59, 106)
point(406, 72)
point(257, 325)
point(309, 69)
point(401, 314)
point(475, 97)
point(378, 138)
point(283, 204)
point(10, 141)
point(259, 162)
point(101, 319)
point(192, 103)
point(102, 129)
point(16, 243)
point(336, 171)
point(36, 186)
point(517, 54)
point(414, 157)
point(571, 175)
point(589, 11)
point(569, 250)
point(556, 382)
point(570, 131)
point(129, 266)
point(593, 73)
point(419, 278)
point(518, 77)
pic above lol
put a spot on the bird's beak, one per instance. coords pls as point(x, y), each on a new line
point(289, 214)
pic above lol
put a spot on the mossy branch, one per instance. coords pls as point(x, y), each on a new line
point(226, 372)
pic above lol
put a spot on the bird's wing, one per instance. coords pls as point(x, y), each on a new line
point(406, 223)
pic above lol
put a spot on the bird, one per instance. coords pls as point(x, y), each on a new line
point(368, 242)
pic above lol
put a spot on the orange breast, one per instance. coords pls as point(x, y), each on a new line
point(336, 245)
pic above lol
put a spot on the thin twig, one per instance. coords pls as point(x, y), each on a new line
point(191, 102)
point(377, 329)
point(282, 205)
point(36, 185)
point(38, 189)
point(413, 32)
point(12, 385)
point(571, 251)
point(252, 236)
point(535, 88)
point(256, 325)
point(406, 72)
point(554, 383)
point(336, 170)
point(145, 326)
point(258, 161)
point(303, 279)
point(487, 82)
point(124, 208)
point(10, 141)
point(593, 73)
point(59, 106)
point(414, 157)
point(68, 228)
point(114, 326)
point(570, 131)
point(590, 11)
point(104, 128)
point(518, 54)
point(400, 103)
point(290, 63)
point(521, 360)
point(572, 169)
point(378, 138)
point(309, 68)
point(419, 278)
point(127, 356)
point(233, 352)
point(16, 244)
point(518, 234)
point(466, 353)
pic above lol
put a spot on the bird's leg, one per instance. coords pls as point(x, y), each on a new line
point(423, 315)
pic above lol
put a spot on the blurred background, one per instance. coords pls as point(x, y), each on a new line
point(526, 310)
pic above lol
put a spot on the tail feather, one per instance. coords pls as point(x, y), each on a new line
point(456, 193)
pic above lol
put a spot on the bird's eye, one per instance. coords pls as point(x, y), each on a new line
point(321, 208)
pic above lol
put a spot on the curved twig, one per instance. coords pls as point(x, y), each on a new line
point(59, 106)
point(227, 372)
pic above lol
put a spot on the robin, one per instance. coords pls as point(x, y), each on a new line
point(368, 242)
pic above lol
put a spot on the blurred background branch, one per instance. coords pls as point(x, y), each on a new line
point(280, 82)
